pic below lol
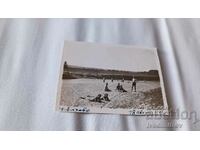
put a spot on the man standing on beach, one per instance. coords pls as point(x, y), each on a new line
point(133, 84)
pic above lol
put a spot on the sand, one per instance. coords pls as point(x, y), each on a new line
point(78, 92)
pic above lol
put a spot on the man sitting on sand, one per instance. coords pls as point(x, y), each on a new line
point(120, 88)
point(106, 88)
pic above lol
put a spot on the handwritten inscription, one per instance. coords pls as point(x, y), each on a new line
point(75, 109)
point(145, 112)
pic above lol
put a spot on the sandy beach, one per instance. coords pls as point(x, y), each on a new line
point(79, 92)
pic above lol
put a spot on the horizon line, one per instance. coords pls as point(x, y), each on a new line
point(109, 68)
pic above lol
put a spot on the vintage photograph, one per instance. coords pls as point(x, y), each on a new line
point(116, 79)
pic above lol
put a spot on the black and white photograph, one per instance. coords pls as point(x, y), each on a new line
point(102, 78)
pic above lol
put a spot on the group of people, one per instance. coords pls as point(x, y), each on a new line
point(120, 87)
point(99, 98)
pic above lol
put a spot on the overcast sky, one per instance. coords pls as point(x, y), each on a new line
point(110, 57)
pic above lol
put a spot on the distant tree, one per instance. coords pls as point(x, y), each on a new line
point(153, 72)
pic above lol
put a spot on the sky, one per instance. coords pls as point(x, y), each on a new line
point(125, 58)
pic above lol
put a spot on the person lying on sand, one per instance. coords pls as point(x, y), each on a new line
point(106, 88)
point(97, 99)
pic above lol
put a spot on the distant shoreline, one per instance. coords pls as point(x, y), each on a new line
point(74, 72)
